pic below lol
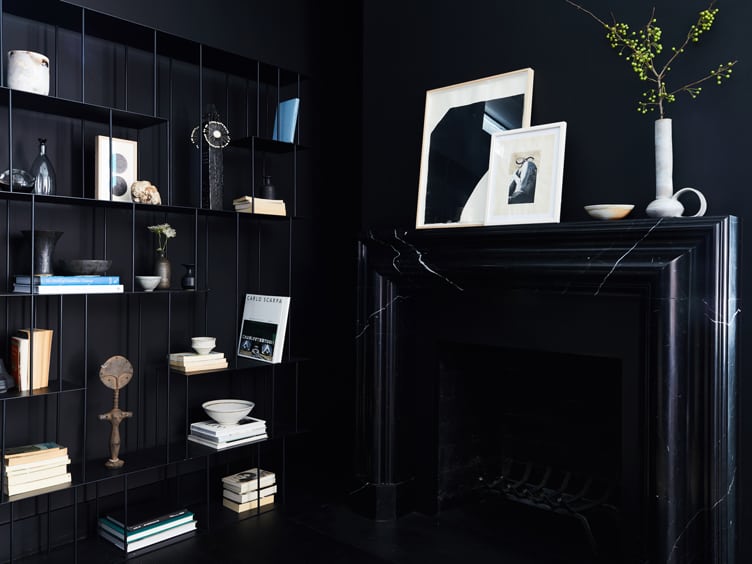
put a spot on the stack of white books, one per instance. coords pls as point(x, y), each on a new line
point(147, 531)
point(35, 468)
point(249, 489)
point(77, 284)
point(219, 437)
point(191, 362)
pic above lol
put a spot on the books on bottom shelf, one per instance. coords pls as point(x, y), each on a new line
point(21, 361)
point(263, 206)
point(241, 490)
point(148, 532)
point(248, 480)
point(188, 363)
point(37, 467)
point(68, 289)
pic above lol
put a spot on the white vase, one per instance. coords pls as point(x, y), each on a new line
point(666, 203)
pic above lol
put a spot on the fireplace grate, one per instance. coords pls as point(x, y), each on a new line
point(559, 491)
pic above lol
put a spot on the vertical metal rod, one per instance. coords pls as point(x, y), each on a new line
point(125, 509)
point(170, 160)
point(57, 58)
point(2, 46)
point(125, 77)
point(154, 69)
point(86, 387)
point(83, 55)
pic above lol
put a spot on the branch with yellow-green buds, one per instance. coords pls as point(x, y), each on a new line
point(641, 47)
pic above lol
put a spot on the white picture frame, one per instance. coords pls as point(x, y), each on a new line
point(114, 182)
point(457, 128)
point(526, 170)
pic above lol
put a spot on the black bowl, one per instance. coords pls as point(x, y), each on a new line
point(85, 266)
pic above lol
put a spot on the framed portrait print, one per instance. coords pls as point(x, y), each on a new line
point(457, 127)
point(114, 177)
point(526, 168)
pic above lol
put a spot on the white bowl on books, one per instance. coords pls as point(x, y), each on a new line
point(148, 283)
point(227, 411)
point(203, 345)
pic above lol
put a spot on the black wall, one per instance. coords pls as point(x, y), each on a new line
point(411, 47)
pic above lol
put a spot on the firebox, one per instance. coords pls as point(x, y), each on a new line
point(580, 375)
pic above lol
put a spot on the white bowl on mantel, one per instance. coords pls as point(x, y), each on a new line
point(609, 211)
point(148, 283)
point(227, 411)
point(203, 345)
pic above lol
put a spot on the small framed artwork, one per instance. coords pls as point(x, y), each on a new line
point(114, 177)
point(526, 169)
point(457, 127)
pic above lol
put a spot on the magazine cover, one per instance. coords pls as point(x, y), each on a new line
point(263, 327)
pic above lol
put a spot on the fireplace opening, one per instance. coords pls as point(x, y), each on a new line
point(533, 437)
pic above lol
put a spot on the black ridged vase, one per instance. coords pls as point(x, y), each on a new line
point(43, 249)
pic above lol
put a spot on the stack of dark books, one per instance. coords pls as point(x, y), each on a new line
point(146, 531)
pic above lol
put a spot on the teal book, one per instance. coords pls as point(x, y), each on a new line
point(285, 120)
point(56, 280)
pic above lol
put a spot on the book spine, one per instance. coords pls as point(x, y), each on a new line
point(149, 522)
point(68, 280)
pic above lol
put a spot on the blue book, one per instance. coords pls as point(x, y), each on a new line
point(77, 280)
point(285, 120)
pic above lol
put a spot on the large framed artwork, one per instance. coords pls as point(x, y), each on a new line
point(458, 124)
point(526, 169)
point(115, 176)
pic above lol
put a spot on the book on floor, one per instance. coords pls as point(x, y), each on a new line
point(246, 427)
point(141, 517)
point(117, 531)
point(253, 504)
point(248, 480)
point(130, 546)
point(263, 327)
point(249, 496)
point(222, 445)
point(27, 371)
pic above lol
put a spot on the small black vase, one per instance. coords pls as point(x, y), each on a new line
point(188, 281)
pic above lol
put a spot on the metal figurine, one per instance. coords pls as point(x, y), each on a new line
point(115, 373)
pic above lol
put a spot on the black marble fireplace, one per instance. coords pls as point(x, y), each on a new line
point(583, 370)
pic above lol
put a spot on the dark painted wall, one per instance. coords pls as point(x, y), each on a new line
point(410, 47)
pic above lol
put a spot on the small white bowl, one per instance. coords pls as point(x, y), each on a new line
point(203, 345)
point(148, 283)
point(609, 211)
point(227, 411)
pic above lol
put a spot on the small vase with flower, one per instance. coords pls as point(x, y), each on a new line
point(162, 266)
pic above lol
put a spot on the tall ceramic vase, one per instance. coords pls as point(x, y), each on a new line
point(163, 269)
point(43, 249)
point(666, 203)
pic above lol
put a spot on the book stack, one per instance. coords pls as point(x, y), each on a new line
point(31, 373)
point(38, 467)
point(248, 489)
point(191, 362)
point(249, 204)
point(146, 531)
point(219, 437)
point(78, 284)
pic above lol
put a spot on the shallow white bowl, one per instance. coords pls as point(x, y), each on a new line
point(609, 211)
point(203, 345)
point(148, 283)
point(227, 411)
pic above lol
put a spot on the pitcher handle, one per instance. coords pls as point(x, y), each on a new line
point(703, 202)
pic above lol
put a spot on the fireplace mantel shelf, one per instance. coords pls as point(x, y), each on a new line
point(683, 274)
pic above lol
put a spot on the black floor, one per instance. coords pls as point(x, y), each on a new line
point(325, 532)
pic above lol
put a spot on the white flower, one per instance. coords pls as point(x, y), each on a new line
point(164, 232)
